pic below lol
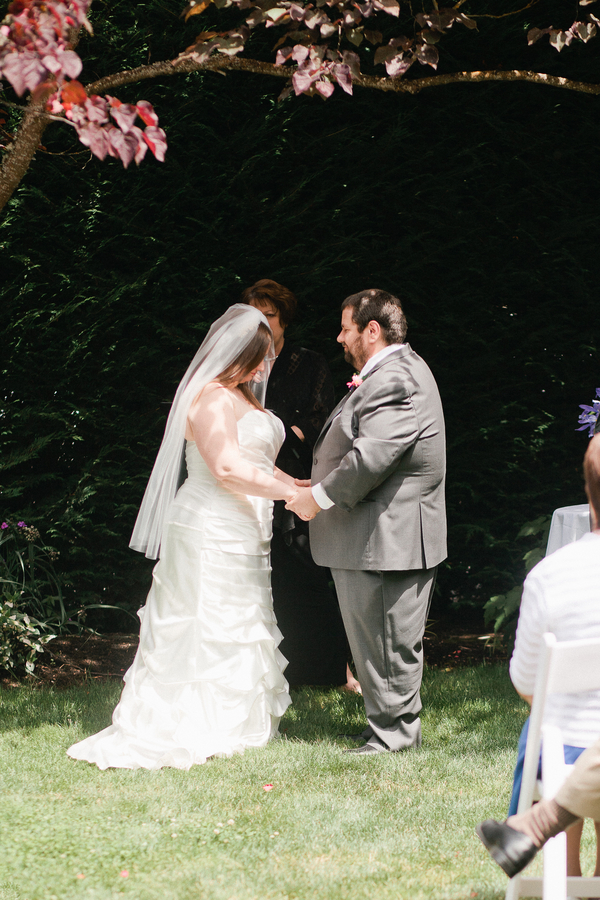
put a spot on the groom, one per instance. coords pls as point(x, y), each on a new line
point(378, 484)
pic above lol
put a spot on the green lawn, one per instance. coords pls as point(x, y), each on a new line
point(333, 826)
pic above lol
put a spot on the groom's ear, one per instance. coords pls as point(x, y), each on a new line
point(373, 330)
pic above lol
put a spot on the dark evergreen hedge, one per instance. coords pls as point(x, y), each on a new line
point(475, 203)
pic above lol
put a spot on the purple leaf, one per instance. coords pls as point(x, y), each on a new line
point(383, 54)
point(70, 63)
point(534, 34)
point(355, 36)
point(399, 65)
point(232, 45)
point(94, 137)
point(301, 81)
point(584, 30)
point(560, 39)
point(470, 23)
point(374, 37)
point(157, 141)
point(327, 29)
point(427, 55)
point(430, 37)
point(23, 70)
point(437, 21)
point(351, 17)
point(124, 114)
point(296, 12)
point(342, 75)
point(401, 41)
point(51, 63)
point(97, 109)
point(352, 60)
point(142, 146)
point(325, 88)
point(255, 18)
point(312, 19)
point(124, 145)
point(299, 54)
point(283, 55)
point(367, 9)
point(146, 112)
point(389, 6)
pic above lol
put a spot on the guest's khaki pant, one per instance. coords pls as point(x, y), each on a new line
point(580, 794)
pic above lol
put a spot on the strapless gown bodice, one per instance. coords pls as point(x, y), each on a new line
point(207, 679)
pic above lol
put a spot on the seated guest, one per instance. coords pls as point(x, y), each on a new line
point(562, 595)
point(514, 843)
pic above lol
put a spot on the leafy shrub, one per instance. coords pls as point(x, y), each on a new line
point(27, 573)
point(503, 609)
point(21, 638)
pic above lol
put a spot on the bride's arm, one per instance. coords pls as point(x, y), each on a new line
point(283, 476)
point(214, 427)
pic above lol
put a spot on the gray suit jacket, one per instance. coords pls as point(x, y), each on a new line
point(381, 458)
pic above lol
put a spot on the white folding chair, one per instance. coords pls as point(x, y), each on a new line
point(566, 667)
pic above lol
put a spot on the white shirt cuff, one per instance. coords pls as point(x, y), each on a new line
point(321, 497)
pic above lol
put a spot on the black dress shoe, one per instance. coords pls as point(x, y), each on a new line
point(366, 748)
point(352, 737)
point(511, 849)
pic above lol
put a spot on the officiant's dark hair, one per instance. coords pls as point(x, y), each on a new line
point(268, 291)
point(251, 356)
point(381, 307)
point(591, 470)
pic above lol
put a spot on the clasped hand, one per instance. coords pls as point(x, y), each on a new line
point(303, 503)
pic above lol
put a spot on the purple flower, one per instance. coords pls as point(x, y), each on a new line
point(21, 524)
point(4, 525)
point(588, 418)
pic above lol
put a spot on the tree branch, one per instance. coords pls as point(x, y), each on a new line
point(19, 154)
point(400, 85)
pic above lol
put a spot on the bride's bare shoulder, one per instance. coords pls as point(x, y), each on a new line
point(214, 388)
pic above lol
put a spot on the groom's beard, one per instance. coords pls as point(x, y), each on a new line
point(356, 359)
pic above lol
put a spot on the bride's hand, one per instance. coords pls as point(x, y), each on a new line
point(304, 505)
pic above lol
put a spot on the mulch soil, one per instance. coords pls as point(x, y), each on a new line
point(73, 659)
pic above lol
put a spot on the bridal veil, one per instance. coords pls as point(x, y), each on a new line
point(226, 339)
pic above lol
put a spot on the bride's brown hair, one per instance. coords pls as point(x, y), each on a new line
point(251, 356)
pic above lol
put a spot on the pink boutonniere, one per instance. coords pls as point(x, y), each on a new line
point(355, 382)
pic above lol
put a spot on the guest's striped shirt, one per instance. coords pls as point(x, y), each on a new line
point(562, 595)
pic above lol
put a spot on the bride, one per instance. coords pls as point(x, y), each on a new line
point(207, 677)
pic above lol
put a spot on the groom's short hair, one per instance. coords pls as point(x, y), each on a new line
point(381, 307)
point(591, 471)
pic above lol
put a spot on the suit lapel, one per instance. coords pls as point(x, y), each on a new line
point(332, 416)
point(403, 351)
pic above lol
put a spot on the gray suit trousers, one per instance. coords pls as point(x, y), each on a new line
point(384, 615)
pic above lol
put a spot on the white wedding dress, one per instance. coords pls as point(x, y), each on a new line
point(207, 679)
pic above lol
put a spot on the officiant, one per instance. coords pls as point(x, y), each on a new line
point(300, 391)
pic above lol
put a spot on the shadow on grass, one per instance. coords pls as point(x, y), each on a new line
point(90, 705)
point(476, 707)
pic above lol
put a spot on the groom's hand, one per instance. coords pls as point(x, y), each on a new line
point(304, 504)
point(302, 482)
